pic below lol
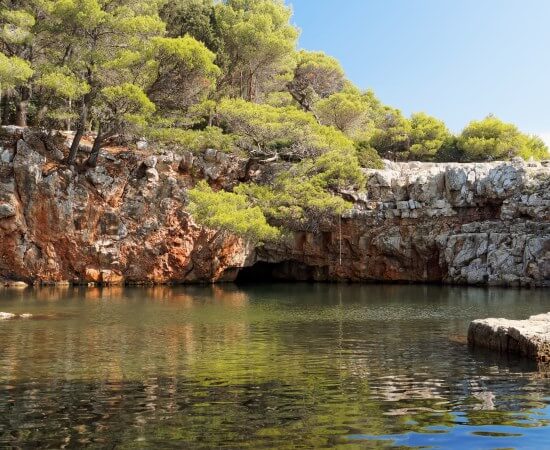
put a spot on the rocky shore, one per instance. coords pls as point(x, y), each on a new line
point(125, 221)
point(529, 338)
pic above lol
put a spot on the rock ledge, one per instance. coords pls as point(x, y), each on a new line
point(529, 338)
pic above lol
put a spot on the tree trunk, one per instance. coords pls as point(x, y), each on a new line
point(22, 107)
point(21, 110)
point(6, 112)
point(81, 126)
point(94, 155)
point(40, 115)
point(251, 87)
point(5, 108)
point(69, 119)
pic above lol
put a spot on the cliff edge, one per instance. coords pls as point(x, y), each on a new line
point(126, 221)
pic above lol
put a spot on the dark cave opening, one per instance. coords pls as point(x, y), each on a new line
point(289, 270)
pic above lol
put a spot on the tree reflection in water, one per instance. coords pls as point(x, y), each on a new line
point(263, 366)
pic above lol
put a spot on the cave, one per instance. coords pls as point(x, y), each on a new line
point(288, 270)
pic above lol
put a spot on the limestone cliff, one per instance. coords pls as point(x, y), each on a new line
point(125, 221)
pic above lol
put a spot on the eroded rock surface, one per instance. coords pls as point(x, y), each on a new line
point(119, 222)
point(126, 221)
point(483, 223)
point(529, 338)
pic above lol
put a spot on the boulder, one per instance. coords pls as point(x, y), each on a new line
point(142, 144)
point(6, 155)
point(152, 175)
point(150, 161)
point(6, 210)
point(529, 338)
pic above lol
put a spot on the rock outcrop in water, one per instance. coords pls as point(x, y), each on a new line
point(529, 338)
point(125, 221)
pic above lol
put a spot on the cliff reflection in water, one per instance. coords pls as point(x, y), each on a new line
point(283, 365)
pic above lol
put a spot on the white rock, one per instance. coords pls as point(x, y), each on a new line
point(142, 144)
point(530, 338)
point(152, 175)
point(6, 155)
point(150, 161)
point(210, 155)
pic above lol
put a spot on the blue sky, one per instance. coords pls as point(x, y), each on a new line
point(455, 59)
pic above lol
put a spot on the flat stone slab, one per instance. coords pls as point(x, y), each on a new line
point(529, 338)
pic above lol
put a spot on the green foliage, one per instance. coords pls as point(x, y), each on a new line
point(449, 151)
point(304, 196)
point(391, 138)
point(229, 212)
point(490, 139)
point(195, 18)
point(428, 136)
point(357, 114)
point(259, 43)
point(18, 18)
point(16, 27)
point(222, 74)
point(534, 148)
point(367, 156)
point(265, 129)
point(14, 71)
point(342, 110)
point(183, 72)
point(63, 85)
point(123, 107)
point(295, 204)
point(316, 76)
point(56, 89)
point(193, 140)
point(335, 169)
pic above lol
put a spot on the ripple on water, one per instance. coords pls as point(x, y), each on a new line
point(284, 366)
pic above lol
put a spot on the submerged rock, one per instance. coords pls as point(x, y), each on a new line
point(529, 338)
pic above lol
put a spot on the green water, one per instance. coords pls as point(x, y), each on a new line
point(265, 366)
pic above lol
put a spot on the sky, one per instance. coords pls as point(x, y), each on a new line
point(458, 60)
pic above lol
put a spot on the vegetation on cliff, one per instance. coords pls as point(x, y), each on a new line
point(198, 74)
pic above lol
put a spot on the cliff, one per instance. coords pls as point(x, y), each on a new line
point(125, 221)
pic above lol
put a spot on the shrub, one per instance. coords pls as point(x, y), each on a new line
point(267, 130)
point(193, 140)
point(491, 139)
point(231, 212)
point(367, 156)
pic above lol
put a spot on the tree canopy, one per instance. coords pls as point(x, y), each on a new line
point(492, 139)
point(316, 76)
point(223, 74)
point(231, 212)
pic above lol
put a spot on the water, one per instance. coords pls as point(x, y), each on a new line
point(266, 366)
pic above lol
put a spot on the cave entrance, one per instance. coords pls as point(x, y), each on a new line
point(291, 270)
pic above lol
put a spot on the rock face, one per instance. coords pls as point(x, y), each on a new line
point(119, 222)
point(529, 338)
point(125, 221)
point(484, 223)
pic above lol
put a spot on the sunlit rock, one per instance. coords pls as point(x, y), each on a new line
point(529, 338)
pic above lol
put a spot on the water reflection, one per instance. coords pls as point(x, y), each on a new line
point(286, 365)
